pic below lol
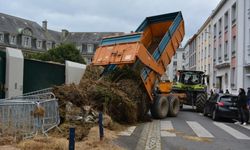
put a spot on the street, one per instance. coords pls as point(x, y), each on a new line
point(188, 131)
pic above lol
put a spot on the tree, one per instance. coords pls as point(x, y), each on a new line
point(60, 54)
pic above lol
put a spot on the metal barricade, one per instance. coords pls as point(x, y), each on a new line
point(17, 115)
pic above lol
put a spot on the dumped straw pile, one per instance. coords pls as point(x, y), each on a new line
point(120, 95)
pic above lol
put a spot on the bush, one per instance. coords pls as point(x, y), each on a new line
point(60, 54)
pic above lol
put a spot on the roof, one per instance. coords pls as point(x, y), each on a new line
point(13, 25)
point(88, 37)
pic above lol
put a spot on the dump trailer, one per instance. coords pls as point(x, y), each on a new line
point(149, 49)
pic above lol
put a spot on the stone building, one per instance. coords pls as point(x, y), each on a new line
point(29, 36)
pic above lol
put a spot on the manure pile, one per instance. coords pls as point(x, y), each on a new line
point(121, 95)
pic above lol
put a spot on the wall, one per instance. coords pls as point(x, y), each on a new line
point(39, 75)
point(73, 72)
point(14, 72)
point(2, 73)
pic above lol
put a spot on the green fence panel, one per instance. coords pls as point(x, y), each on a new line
point(2, 73)
point(39, 75)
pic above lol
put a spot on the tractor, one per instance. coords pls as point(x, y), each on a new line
point(193, 84)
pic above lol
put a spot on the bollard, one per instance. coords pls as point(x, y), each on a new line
point(101, 132)
point(71, 138)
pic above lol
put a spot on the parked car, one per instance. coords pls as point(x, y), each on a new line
point(221, 106)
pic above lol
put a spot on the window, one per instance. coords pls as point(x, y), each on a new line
point(215, 30)
point(234, 13)
point(233, 46)
point(214, 54)
point(26, 41)
point(12, 39)
point(175, 63)
point(226, 50)
point(219, 53)
point(208, 68)
point(220, 26)
point(90, 48)
point(209, 50)
point(226, 21)
point(39, 44)
point(205, 55)
point(202, 54)
point(233, 78)
point(1, 37)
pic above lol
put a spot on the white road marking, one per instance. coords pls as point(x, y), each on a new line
point(231, 131)
point(128, 131)
point(200, 114)
point(199, 130)
point(247, 126)
point(167, 126)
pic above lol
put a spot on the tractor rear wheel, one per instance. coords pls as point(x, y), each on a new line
point(159, 109)
point(174, 105)
point(200, 101)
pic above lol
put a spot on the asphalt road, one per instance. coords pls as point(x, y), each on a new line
point(188, 131)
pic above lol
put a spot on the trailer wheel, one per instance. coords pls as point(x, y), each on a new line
point(159, 109)
point(174, 105)
point(200, 101)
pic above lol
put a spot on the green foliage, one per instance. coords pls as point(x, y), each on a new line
point(60, 54)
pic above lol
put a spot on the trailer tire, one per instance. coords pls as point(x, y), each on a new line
point(159, 109)
point(200, 101)
point(174, 105)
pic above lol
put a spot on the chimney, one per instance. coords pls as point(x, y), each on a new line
point(45, 22)
point(64, 33)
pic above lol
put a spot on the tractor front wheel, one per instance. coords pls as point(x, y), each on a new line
point(200, 101)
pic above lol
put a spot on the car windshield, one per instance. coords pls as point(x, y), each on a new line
point(228, 99)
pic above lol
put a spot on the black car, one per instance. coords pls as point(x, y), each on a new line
point(221, 106)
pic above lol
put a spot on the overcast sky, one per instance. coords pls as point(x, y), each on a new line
point(107, 15)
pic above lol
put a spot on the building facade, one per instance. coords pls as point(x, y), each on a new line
point(176, 64)
point(29, 36)
point(223, 46)
point(203, 50)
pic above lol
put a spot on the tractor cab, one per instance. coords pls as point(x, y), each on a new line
point(191, 77)
point(193, 84)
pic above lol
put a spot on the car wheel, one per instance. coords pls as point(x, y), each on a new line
point(214, 115)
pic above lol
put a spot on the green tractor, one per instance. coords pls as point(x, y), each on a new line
point(193, 85)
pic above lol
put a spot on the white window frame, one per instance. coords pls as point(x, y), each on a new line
point(12, 39)
point(27, 41)
point(39, 44)
point(220, 53)
point(234, 13)
point(90, 48)
point(226, 50)
point(1, 37)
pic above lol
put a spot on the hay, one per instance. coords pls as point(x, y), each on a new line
point(121, 95)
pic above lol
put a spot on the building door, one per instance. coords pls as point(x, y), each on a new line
point(219, 82)
point(2, 74)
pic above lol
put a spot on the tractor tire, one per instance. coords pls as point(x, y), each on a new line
point(174, 106)
point(200, 102)
point(159, 109)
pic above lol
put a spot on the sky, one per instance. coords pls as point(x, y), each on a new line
point(107, 15)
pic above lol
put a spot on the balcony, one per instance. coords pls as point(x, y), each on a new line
point(221, 64)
